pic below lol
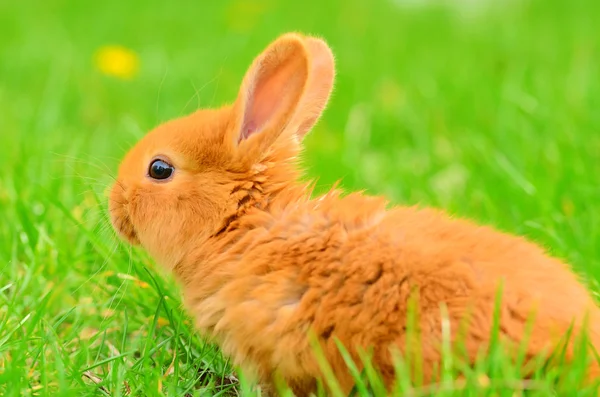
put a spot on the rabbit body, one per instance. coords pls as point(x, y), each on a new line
point(345, 268)
point(216, 197)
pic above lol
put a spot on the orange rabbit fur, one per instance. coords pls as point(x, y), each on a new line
point(261, 262)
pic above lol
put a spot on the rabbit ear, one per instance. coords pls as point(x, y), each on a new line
point(319, 85)
point(286, 88)
point(271, 91)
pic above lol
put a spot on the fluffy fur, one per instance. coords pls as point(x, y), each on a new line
point(262, 263)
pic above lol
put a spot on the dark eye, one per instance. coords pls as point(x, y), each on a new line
point(160, 169)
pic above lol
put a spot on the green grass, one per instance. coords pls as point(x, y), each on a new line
point(492, 116)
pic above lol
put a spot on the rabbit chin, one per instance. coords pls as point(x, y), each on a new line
point(119, 217)
point(125, 229)
point(122, 224)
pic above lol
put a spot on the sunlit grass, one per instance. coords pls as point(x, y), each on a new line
point(493, 117)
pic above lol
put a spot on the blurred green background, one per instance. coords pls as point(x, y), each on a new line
point(487, 109)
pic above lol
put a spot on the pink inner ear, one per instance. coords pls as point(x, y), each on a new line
point(270, 94)
point(248, 128)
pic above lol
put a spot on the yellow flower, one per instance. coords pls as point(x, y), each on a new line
point(117, 61)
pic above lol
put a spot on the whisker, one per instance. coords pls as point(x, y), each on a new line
point(162, 81)
point(197, 93)
point(123, 283)
point(78, 160)
point(212, 102)
point(100, 269)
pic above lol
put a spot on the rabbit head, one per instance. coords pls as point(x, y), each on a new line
point(185, 179)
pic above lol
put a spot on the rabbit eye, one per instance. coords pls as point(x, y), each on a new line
point(160, 169)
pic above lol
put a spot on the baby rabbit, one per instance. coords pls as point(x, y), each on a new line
point(216, 198)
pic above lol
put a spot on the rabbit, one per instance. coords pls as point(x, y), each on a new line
point(216, 198)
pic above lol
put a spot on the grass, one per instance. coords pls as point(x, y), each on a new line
point(491, 115)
